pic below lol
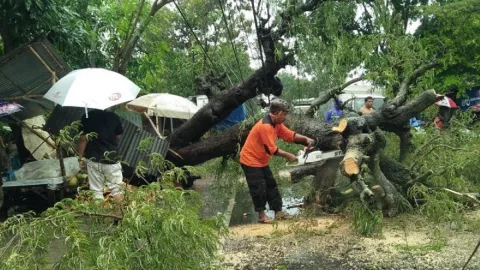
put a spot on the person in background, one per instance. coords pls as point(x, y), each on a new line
point(100, 153)
point(438, 121)
point(415, 121)
point(368, 106)
point(334, 115)
point(256, 153)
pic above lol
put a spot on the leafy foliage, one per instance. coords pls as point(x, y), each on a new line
point(365, 221)
point(157, 227)
point(449, 28)
point(451, 156)
point(160, 228)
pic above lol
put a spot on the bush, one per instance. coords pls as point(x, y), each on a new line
point(160, 229)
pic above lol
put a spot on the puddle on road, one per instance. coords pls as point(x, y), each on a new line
point(243, 212)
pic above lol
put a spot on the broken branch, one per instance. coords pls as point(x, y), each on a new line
point(330, 93)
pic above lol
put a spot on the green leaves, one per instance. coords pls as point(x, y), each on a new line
point(160, 229)
point(450, 29)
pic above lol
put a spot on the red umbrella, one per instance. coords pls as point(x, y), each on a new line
point(446, 102)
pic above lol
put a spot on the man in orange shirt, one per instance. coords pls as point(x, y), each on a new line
point(259, 148)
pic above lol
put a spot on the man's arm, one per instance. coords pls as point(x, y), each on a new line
point(288, 156)
point(82, 145)
point(304, 140)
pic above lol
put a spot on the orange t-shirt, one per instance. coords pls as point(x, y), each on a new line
point(261, 142)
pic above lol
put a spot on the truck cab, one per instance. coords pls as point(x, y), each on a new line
point(355, 95)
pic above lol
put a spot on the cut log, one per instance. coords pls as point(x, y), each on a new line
point(351, 165)
point(324, 182)
point(357, 149)
point(342, 125)
point(295, 174)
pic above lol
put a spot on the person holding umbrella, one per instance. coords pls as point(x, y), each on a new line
point(100, 153)
point(446, 110)
point(98, 89)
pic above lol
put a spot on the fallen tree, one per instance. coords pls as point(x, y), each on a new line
point(361, 137)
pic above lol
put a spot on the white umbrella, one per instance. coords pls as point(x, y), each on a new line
point(93, 88)
point(164, 105)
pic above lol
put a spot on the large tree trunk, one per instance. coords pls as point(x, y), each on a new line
point(360, 137)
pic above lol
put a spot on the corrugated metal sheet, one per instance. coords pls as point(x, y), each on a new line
point(131, 137)
point(31, 70)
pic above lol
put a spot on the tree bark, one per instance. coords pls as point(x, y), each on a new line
point(323, 184)
point(223, 103)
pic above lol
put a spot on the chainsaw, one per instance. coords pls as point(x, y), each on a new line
point(313, 156)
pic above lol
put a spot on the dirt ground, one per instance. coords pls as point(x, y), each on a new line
point(329, 242)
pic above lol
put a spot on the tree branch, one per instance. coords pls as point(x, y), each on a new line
point(293, 11)
point(406, 144)
point(98, 215)
point(268, 38)
point(405, 85)
point(329, 94)
point(122, 59)
point(224, 103)
point(134, 21)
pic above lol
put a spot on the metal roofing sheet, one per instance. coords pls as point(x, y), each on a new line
point(31, 70)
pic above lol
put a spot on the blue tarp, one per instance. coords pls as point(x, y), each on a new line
point(235, 117)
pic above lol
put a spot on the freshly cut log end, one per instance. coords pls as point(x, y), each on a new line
point(285, 174)
point(351, 167)
point(342, 125)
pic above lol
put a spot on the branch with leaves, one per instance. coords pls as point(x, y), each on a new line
point(137, 28)
point(409, 80)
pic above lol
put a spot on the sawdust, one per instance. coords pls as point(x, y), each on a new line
point(284, 227)
point(330, 243)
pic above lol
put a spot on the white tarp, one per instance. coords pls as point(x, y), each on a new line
point(44, 169)
point(164, 105)
point(39, 149)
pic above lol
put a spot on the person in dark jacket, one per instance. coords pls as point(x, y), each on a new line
point(100, 153)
